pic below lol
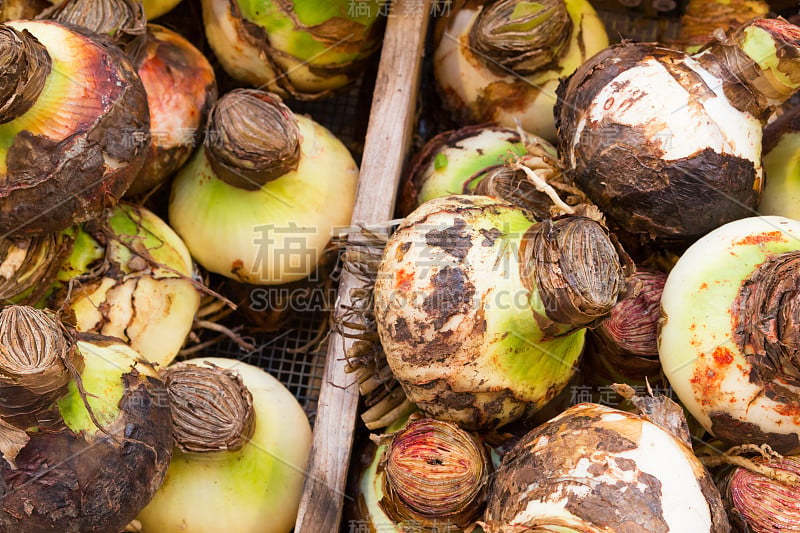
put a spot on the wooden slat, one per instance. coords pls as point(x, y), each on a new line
point(388, 139)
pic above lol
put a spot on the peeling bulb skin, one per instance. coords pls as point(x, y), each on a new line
point(134, 282)
point(212, 410)
point(119, 20)
point(256, 139)
point(575, 268)
point(181, 88)
point(77, 149)
point(598, 469)
point(622, 118)
point(29, 266)
point(303, 50)
point(35, 356)
point(467, 339)
point(78, 478)
point(482, 84)
point(26, 65)
point(728, 336)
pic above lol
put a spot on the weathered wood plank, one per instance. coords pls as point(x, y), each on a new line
point(388, 139)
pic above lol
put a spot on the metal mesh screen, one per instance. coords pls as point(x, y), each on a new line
point(346, 113)
point(625, 26)
point(291, 355)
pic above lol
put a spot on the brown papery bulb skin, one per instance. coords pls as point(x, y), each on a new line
point(435, 474)
point(181, 88)
point(594, 469)
point(92, 481)
point(119, 20)
point(252, 138)
point(523, 44)
point(577, 268)
point(759, 504)
point(212, 410)
point(25, 64)
point(30, 265)
point(35, 361)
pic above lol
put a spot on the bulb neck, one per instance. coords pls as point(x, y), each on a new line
point(520, 35)
point(767, 313)
point(25, 65)
point(762, 57)
point(252, 138)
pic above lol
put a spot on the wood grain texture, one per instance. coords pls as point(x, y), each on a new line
point(388, 139)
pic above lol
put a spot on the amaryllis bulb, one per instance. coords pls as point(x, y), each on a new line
point(239, 464)
point(594, 469)
point(74, 116)
point(113, 419)
point(624, 115)
point(481, 310)
point(299, 49)
point(261, 200)
point(728, 337)
point(181, 88)
point(501, 61)
point(131, 277)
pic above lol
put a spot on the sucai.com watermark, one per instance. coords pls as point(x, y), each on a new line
point(288, 249)
point(606, 394)
point(298, 299)
point(295, 249)
point(389, 8)
point(162, 138)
